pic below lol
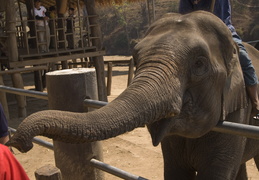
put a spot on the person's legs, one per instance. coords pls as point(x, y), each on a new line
point(250, 76)
point(70, 39)
point(39, 34)
point(41, 38)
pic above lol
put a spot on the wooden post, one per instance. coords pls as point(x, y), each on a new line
point(13, 53)
point(48, 172)
point(67, 90)
point(109, 78)
point(38, 80)
point(61, 10)
point(2, 7)
point(98, 61)
point(131, 71)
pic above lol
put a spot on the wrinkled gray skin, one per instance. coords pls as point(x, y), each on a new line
point(188, 77)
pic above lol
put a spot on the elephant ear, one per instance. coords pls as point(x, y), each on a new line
point(234, 92)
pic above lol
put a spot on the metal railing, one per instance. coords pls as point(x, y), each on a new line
point(252, 42)
point(24, 92)
point(94, 162)
point(91, 103)
point(222, 126)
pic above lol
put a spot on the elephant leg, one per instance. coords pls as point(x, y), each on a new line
point(174, 167)
point(242, 174)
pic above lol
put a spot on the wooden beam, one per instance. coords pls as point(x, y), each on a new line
point(20, 70)
point(54, 59)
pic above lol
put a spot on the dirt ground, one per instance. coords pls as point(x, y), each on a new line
point(132, 152)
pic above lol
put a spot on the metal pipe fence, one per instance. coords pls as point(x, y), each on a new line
point(252, 42)
point(24, 92)
point(246, 130)
point(90, 103)
point(222, 126)
point(94, 162)
point(115, 171)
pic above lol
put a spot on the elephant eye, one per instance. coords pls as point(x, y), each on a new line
point(200, 66)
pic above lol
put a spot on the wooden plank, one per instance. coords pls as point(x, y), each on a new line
point(118, 59)
point(54, 59)
point(19, 70)
point(59, 51)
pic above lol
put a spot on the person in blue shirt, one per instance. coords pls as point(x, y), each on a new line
point(222, 9)
point(3, 127)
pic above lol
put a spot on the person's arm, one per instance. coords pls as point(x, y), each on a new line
point(10, 167)
point(185, 6)
point(3, 127)
point(4, 139)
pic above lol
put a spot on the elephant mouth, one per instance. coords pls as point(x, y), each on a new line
point(160, 129)
point(163, 127)
point(22, 147)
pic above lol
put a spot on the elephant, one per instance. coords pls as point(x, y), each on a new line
point(187, 79)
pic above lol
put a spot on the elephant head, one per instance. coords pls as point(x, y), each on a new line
point(187, 78)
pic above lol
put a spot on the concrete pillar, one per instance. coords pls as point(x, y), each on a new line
point(67, 90)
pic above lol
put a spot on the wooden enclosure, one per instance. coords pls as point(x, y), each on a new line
point(20, 42)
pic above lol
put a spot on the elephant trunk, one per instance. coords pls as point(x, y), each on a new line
point(143, 102)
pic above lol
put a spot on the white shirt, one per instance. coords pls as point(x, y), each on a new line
point(41, 13)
